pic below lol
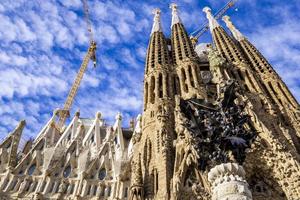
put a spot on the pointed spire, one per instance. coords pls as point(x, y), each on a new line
point(212, 21)
point(175, 17)
point(156, 21)
point(235, 32)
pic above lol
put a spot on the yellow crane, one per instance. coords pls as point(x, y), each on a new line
point(90, 55)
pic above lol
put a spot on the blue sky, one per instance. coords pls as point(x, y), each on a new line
point(42, 44)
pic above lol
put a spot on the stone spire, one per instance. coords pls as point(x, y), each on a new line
point(158, 65)
point(212, 21)
point(156, 21)
point(175, 17)
point(181, 44)
point(189, 82)
point(272, 84)
point(235, 32)
point(224, 43)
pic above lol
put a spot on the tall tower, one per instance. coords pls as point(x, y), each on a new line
point(155, 145)
point(185, 60)
point(240, 71)
point(272, 83)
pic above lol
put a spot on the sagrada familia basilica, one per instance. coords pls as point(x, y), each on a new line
point(218, 123)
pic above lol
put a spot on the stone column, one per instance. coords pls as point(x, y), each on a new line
point(228, 182)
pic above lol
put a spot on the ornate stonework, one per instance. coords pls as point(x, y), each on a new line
point(218, 123)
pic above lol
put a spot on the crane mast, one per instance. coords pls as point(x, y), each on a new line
point(205, 26)
point(90, 55)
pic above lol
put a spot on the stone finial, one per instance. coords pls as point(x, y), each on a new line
point(98, 115)
point(175, 17)
point(77, 114)
point(235, 32)
point(212, 21)
point(228, 182)
point(156, 21)
point(118, 116)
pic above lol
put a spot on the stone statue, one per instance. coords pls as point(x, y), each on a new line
point(62, 187)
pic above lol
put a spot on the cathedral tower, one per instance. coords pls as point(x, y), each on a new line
point(272, 83)
point(157, 133)
point(231, 52)
point(185, 60)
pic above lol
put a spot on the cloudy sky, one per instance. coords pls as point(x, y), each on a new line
point(42, 44)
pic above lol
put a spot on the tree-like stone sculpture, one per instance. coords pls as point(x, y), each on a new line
point(221, 133)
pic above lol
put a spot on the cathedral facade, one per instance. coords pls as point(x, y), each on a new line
point(218, 123)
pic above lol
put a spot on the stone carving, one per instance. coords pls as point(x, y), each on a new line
point(218, 132)
point(228, 182)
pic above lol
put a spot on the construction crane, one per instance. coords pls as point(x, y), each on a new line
point(90, 55)
point(205, 26)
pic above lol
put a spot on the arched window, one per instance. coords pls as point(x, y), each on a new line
point(186, 89)
point(152, 88)
point(102, 174)
point(160, 87)
point(31, 169)
point(191, 76)
point(67, 171)
point(146, 93)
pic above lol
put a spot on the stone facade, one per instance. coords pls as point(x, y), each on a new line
point(158, 157)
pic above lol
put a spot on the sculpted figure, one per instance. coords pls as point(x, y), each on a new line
point(62, 187)
point(23, 185)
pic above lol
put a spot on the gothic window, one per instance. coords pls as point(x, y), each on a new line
point(102, 174)
point(28, 186)
point(191, 76)
point(67, 171)
point(152, 87)
point(175, 85)
point(52, 187)
point(184, 80)
point(274, 92)
point(146, 94)
point(156, 181)
point(31, 169)
point(167, 85)
point(160, 86)
point(126, 192)
point(89, 190)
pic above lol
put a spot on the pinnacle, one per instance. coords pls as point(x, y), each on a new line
point(156, 21)
point(212, 21)
point(175, 17)
point(235, 32)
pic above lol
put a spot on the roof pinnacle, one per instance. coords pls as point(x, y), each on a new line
point(212, 21)
point(175, 17)
point(156, 21)
point(235, 32)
